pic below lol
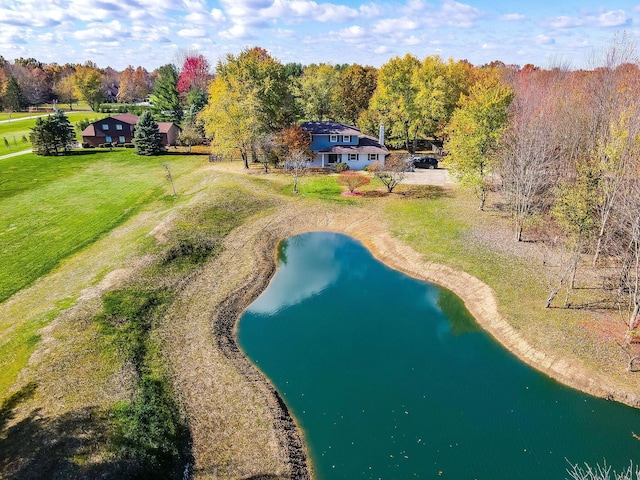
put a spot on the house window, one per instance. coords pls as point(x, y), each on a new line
point(346, 138)
point(333, 158)
point(373, 157)
point(353, 157)
point(107, 139)
point(118, 126)
point(333, 138)
point(105, 126)
point(121, 139)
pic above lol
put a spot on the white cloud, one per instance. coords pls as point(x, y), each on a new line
point(192, 32)
point(412, 40)
point(613, 18)
point(103, 32)
point(544, 40)
point(353, 33)
point(511, 17)
point(459, 14)
point(396, 25)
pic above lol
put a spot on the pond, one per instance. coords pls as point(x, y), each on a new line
point(390, 377)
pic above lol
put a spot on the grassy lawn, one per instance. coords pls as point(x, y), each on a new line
point(52, 207)
point(16, 115)
point(17, 132)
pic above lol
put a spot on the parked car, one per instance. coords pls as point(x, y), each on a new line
point(424, 162)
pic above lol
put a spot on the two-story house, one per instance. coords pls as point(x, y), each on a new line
point(334, 142)
point(119, 129)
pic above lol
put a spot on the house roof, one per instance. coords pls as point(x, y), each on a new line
point(330, 128)
point(164, 127)
point(126, 118)
point(90, 131)
point(366, 144)
point(129, 118)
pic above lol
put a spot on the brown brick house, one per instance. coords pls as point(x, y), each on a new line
point(119, 129)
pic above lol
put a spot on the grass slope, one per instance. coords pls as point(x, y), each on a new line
point(52, 207)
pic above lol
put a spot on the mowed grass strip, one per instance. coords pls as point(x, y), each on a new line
point(70, 203)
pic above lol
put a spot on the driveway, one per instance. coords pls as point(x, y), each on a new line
point(437, 176)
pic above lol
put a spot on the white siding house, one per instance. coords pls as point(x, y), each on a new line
point(334, 142)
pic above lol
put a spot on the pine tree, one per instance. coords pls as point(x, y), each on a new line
point(13, 100)
point(52, 135)
point(147, 136)
point(165, 97)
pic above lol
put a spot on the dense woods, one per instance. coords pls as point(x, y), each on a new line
point(557, 149)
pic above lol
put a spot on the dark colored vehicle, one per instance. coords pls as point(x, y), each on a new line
point(424, 162)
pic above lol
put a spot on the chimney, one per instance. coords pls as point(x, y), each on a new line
point(381, 135)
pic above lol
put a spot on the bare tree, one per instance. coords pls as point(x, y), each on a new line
point(528, 155)
point(393, 171)
point(576, 472)
point(629, 232)
point(296, 165)
point(265, 149)
point(616, 154)
point(612, 92)
point(170, 179)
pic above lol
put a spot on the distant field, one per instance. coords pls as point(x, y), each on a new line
point(16, 132)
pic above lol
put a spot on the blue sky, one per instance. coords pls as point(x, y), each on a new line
point(151, 33)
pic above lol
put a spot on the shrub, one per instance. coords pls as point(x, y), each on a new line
point(341, 167)
point(150, 430)
point(129, 145)
point(352, 180)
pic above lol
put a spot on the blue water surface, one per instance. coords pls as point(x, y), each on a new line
point(390, 377)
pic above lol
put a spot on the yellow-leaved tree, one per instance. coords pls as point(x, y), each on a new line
point(474, 133)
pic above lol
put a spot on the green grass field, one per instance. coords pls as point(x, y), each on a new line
point(51, 207)
point(16, 132)
point(16, 115)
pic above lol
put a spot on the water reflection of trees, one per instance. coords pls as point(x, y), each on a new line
point(459, 317)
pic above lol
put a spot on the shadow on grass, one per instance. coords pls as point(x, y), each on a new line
point(374, 194)
point(70, 446)
point(6, 410)
point(430, 192)
point(83, 151)
point(181, 153)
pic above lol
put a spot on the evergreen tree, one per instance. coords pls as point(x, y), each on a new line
point(52, 135)
point(13, 100)
point(165, 97)
point(147, 136)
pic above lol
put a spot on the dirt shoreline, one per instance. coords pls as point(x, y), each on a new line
point(225, 328)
